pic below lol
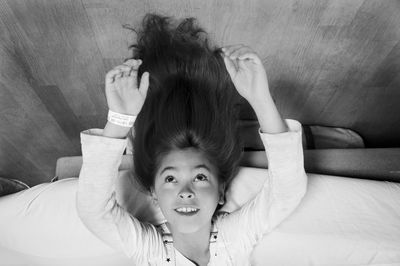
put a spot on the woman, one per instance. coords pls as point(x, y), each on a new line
point(186, 151)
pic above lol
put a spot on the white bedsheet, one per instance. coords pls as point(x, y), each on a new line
point(341, 221)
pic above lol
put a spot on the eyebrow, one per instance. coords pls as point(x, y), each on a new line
point(196, 167)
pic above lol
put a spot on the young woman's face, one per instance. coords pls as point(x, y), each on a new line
point(187, 178)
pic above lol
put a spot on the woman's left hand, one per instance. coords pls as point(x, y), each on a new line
point(246, 71)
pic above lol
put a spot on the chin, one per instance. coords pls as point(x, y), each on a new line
point(187, 228)
point(188, 225)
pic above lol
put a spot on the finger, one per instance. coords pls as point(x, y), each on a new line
point(236, 53)
point(134, 71)
point(230, 66)
point(133, 76)
point(144, 83)
point(120, 75)
point(110, 76)
point(131, 62)
point(251, 56)
point(134, 64)
point(245, 52)
point(229, 48)
point(125, 71)
point(124, 68)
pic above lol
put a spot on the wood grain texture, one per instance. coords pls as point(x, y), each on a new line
point(332, 63)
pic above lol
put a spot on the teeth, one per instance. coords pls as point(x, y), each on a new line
point(186, 209)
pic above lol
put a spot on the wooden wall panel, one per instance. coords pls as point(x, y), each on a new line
point(26, 125)
point(14, 163)
point(330, 62)
point(57, 34)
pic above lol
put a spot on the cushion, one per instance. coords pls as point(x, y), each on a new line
point(313, 137)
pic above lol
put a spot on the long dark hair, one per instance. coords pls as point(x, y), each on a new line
point(190, 101)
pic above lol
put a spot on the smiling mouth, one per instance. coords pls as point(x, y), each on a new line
point(188, 213)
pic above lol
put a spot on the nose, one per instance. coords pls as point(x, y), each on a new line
point(186, 192)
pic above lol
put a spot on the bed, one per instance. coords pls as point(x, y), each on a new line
point(340, 221)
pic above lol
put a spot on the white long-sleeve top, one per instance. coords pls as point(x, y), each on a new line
point(238, 232)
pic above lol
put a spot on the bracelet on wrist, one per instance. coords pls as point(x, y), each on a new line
point(121, 119)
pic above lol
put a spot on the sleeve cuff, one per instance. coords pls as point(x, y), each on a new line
point(293, 135)
point(94, 137)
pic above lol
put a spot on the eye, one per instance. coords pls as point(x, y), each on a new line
point(169, 179)
point(203, 177)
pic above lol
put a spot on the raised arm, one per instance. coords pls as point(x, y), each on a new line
point(250, 79)
point(102, 152)
point(286, 182)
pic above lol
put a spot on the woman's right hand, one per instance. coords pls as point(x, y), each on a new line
point(122, 91)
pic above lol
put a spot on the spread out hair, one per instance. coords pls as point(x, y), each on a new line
point(191, 101)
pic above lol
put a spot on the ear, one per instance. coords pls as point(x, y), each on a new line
point(153, 194)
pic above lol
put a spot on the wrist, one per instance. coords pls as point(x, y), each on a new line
point(115, 131)
point(268, 116)
point(259, 96)
point(261, 102)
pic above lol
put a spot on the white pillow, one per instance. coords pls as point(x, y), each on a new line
point(43, 221)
